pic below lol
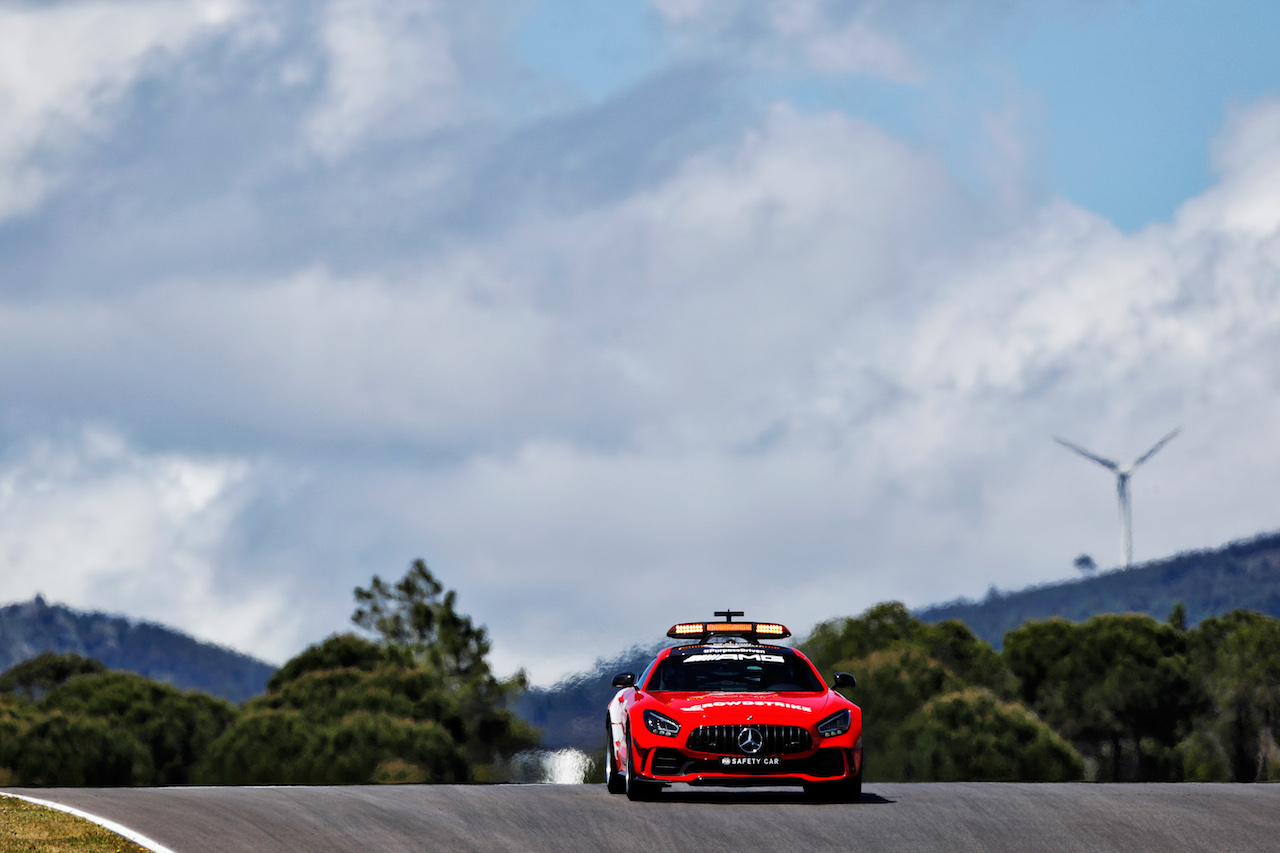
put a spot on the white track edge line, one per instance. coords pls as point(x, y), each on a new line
point(111, 825)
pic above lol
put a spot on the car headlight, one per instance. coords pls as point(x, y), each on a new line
point(835, 725)
point(661, 724)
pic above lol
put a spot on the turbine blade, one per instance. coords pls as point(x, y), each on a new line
point(1105, 463)
point(1152, 452)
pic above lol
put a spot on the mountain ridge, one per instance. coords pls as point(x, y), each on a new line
point(1243, 574)
point(148, 648)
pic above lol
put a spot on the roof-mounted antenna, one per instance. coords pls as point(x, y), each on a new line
point(729, 614)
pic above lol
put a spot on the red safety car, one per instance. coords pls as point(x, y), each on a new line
point(728, 709)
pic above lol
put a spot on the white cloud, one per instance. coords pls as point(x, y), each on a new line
point(612, 325)
point(902, 403)
point(804, 372)
point(1246, 201)
point(807, 371)
point(800, 370)
point(306, 358)
point(98, 525)
point(678, 325)
point(815, 35)
point(1071, 294)
point(64, 66)
point(391, 70)
point(705, 299)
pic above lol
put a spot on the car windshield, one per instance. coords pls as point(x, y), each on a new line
point(724, 671)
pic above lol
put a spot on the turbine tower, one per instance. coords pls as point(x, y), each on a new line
point(1122, 472)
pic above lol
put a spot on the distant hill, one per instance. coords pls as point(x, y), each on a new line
point(33, 627)
point(571, 714)
point(1243, 574)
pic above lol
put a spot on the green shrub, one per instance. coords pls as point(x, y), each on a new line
point(972, 736)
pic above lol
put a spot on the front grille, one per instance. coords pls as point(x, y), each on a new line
point(723, 740)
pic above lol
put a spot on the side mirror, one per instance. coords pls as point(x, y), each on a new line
point(844, 679)
point(627, 679)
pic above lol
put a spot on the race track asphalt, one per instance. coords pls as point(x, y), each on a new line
point(566, 819)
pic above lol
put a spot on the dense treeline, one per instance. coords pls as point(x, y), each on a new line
point(1118, 697)
point(66, 720)
point(937, 702)
point(417, 703)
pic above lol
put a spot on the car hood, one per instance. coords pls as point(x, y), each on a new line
point(790, 708)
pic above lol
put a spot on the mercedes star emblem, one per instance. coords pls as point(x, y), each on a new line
point(750, 741)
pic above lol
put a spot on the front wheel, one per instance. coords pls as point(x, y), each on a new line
point(849, 791)
point(636, 788)
point(614, 781)
point(844, 791)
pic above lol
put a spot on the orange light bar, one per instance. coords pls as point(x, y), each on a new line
point(742, 629)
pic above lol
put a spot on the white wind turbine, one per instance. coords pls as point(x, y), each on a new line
point(1122, 472)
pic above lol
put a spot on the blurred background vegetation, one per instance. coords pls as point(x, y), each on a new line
point(414, 701)
point(411, 698)
point(1118, 697)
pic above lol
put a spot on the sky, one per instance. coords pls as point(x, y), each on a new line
point(619, 313)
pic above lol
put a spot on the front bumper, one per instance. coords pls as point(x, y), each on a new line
point(826, 764)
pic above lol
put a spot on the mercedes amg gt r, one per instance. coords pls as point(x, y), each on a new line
point(728, 709)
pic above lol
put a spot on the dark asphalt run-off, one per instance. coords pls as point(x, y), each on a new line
point(564, 819)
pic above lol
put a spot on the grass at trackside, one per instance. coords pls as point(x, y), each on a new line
point(28, 828)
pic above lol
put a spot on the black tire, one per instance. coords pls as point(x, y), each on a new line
point(614, 781)
point(849, 791)
point(844, 791)
point(853, 790)
point(637, 789)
